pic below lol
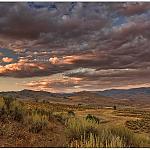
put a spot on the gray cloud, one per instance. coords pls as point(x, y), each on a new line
point(51, 38)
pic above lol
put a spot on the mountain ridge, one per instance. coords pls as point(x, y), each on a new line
point(121, 96)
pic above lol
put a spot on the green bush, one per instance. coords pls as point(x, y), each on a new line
point(92, 118)
point(71, 113)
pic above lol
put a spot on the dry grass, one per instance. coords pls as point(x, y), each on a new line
point(83, 133)
point(38, 124)
point(37, 128)
point(77, 127)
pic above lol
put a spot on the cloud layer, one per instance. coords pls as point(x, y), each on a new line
point(103, 45)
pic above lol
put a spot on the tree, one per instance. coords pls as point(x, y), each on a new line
point(114, 107)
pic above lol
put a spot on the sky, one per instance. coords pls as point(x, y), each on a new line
point(74, 46)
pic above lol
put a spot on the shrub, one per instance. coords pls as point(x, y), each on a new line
point(11, 108)
point(71, 113)
point(17, 111)
point(36, 127)
point(92, 118)
point(2, 112)
point(61, 117)
point(114, 107)
point(44, 101)
point(2, 107)
point(79, 104)
point(37, 123)
point(8, 101)
point(17, 114)
point(78, 127)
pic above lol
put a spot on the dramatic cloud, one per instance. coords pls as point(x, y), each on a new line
point(129, 9)
point(7, 59)
point(85, 79)
point(20, 68)
point(104, 45)
point(61, 84)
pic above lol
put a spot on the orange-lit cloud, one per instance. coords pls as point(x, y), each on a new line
point(54, 60)
point(71, 59)
point(61, 84)
point(20, 68)
point(7, 59)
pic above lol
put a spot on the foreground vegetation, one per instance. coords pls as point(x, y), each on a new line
point(85, 133)
point(38, 124)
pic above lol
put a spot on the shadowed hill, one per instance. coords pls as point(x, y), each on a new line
point(107, 97)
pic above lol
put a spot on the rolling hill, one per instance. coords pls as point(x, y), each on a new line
point(107, 97)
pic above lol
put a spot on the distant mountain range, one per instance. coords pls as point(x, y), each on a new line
point(142, 93)
point(112, 92)
point(113, 96)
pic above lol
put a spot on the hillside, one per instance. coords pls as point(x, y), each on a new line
point(40, 124)
point(138, 95)
point(107, 97)
point(72, 98)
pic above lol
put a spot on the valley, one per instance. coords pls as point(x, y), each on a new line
point(71, 120)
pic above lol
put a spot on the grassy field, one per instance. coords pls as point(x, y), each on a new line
point(43, 124)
